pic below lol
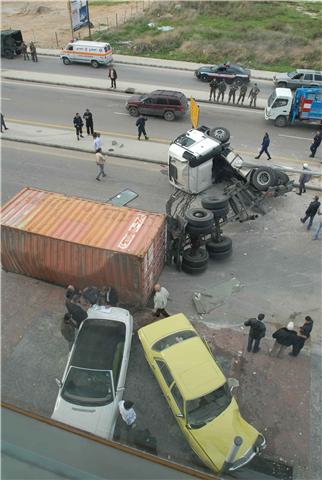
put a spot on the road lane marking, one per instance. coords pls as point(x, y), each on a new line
point(121, 113)
point(292, 136)
point(5, 98)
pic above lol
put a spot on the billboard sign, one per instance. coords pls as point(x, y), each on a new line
point(79, 14)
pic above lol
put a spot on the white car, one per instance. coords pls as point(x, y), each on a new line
point(94, 378)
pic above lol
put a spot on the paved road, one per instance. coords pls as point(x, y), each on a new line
point(166, 78)
point(55, 106)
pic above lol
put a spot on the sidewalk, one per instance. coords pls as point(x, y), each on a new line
point(161, 63)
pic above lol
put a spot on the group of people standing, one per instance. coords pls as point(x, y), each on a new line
point(218, 88)
point(284, 337)
point(32, 51)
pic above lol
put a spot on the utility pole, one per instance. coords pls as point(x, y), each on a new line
point(70, 17)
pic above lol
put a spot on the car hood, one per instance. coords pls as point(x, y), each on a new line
point(282, 76)
point(97, 420)
point(216, 438)
point(135, 98)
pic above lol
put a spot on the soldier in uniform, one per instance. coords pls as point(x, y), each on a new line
point(213, 85)
point(221, 90)
point(33, 52)
point(232, 92)
point(254, 91)
point(24, 50)
point(242, 93)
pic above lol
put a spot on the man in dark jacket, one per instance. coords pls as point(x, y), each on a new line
point(111, 296)
point(213, 88)
point(140, 123)
point(302, 336)
point(221, 90)
point(91, 295)
point(232, 92)
point(67, 329)
point(316, 143)
point(75, 309)
point(242, 93)
point(88, 117)
point(256, 333)
point(311, 211)
point(78, 124)
point(284, 338)
point(265, 144)
point(112, 75)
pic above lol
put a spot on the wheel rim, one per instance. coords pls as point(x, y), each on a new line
point(264, 179)
point(169, 116)
point(220, 133)
point(133, 111)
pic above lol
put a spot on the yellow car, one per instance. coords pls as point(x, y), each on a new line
point(199, 395)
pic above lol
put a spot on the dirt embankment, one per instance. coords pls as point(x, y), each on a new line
point(48, 23)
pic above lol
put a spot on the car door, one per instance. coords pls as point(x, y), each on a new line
point(162, 106)
point(148, 106)
point(307, 80)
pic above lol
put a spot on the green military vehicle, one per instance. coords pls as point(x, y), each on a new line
point(11, 41)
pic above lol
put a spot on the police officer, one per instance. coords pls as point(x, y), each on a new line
point(221, 90)
point(213, 85)
point(140, 123)
point(254, 91)
point(232, 92)
point(88, 117)
point(242, 93)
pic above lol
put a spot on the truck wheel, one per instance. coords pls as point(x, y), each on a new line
point(220, 213)
point(220, 133)
point(194, 270)
point(282, 84)
point(66, 61)
point(214, 203)
point(282, 178)
point(220, 255)
point(199, 217)
point(281, 121)
point(95, 64)
point(263, 178)
point(169, 116)
point(133, 111)
point(195, 258)
point(9, 53)
point(196, 231)
point(223, 245)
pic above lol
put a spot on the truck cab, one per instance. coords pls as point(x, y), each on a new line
point(279, 105)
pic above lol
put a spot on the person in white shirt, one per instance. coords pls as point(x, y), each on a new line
point(127, 413)
point(97, 141)
point(160, 301)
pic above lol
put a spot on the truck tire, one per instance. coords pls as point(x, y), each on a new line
point(219, 133)
point(198, 217)
point(66, 61)
point(169, 116)
point(263, 178)
point(282, 178)
point(221, 255)
point(220, 212)
point(194, 270)
point(194, 231)
point(214, 203)
point(195, 258)
point(281, 121)
point(223, 245)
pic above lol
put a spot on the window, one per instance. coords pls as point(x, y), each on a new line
point(318, 77)
point(204, 409)
point(165, 372)
point(148, 101)
point(177, 397)
point(70, 47)
point(308, 76)
point(174, 338)
point(161, 101)
point(280, 102)
point(174, 101)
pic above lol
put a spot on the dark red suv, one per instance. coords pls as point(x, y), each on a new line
point(161, 103)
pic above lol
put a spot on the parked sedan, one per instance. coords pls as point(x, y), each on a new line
point(94, 378)
point(198, 393)
point(228, 72)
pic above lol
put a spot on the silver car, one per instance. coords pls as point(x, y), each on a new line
point(299, 78)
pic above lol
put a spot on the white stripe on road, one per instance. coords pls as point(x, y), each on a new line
point(292, 136)
point(4, 98)
point(121, 113)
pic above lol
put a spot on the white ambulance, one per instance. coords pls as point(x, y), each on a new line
point(81, 51)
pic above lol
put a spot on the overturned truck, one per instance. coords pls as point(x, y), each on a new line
point(210, 190)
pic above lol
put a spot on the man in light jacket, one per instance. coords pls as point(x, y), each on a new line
point(160, 301)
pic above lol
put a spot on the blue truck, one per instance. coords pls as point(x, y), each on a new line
point(304, 105)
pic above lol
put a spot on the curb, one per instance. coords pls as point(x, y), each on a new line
point(85, 150)
point(107, 89)
point(128, 62)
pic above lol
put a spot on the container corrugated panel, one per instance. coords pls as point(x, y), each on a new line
point(65, 240)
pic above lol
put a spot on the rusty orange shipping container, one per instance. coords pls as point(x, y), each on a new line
point(69, 240)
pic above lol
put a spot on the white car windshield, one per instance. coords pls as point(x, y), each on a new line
point(88, 387)
point(271, 99)
point(291, 74)
point(204, 409)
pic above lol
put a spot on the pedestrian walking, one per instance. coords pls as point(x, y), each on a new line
point(264, 147)
point(112, 75)
point(67, 329)
point(161, 296)
point(140, 123)
point(100, 162)
point(24, 50)
point(254, 91)
point(316, 143)
point(97, 142)
point(3, 124)
point(88, 117)
point(213, 85)
point(232, 92)
point(77, 312)
point(256, 333)
point(284, 338)
point(318, 229)
point(305, 177)
point(33, 52)
point(78, 124)
point(242, 93)
point(221, 90)
point(311, 211)
point(127, 413)
point(302, 336)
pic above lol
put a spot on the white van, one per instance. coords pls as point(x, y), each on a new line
point(81, 51)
